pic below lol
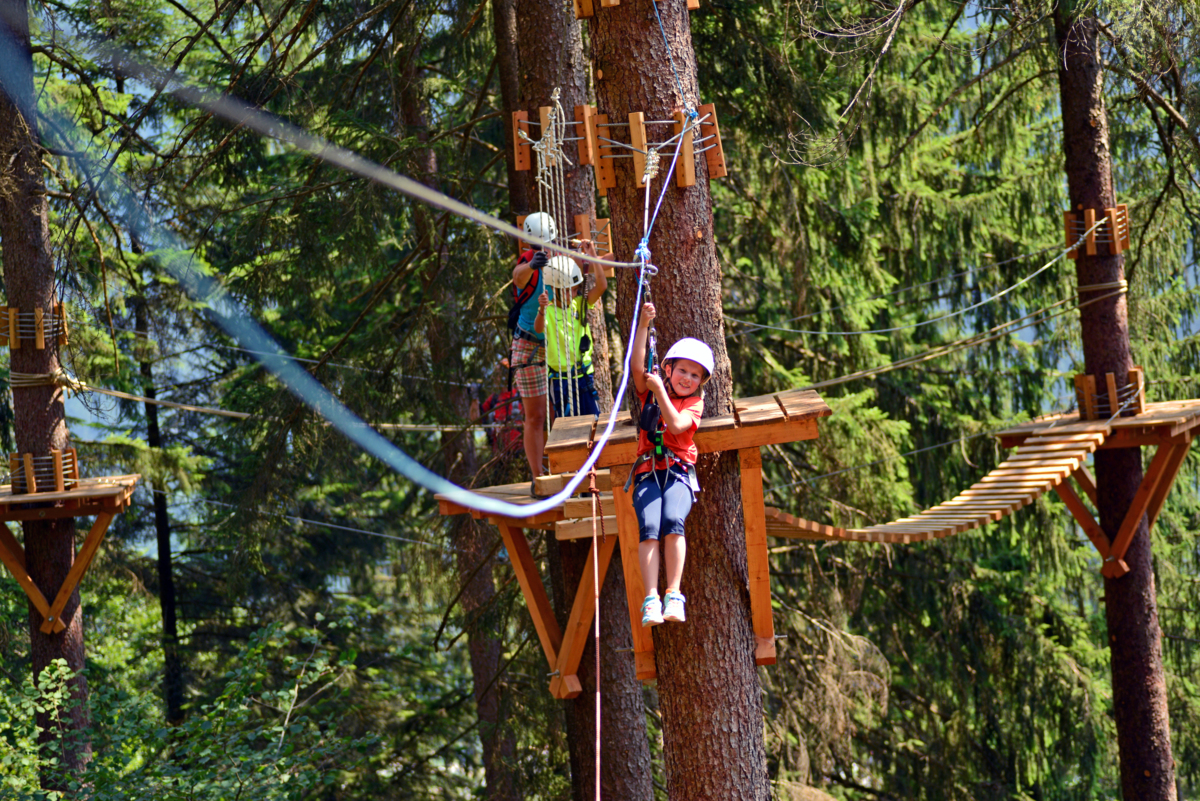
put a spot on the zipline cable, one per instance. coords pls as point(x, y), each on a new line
point(984, 302)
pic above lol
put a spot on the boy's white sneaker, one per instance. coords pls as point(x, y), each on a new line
point(673, 610)
point(652, 610)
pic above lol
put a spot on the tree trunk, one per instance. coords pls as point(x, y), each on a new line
point(172, 664)
point(460, 464)
point(544, 28)
point(40, 423)
point(504, 25)
point(1135, 647)
point(710, 695)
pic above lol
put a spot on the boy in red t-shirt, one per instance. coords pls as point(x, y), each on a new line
point(664, 474)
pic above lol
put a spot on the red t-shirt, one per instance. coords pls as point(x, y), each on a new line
point(682, 445)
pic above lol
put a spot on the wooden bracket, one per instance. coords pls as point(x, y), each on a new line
point(685, 168)
point(637, 138)
point(544, 122)
point(33, 327)
point(758, 561)
point(715, 158)
point(35, 474)
point(584, 8)
point(1094, 407)
point(606, 174)
point(1114, 233)
point(1148, 501)
point(522, 152)
point(586, 144)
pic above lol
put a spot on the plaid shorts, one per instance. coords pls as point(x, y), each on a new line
point(530, 380)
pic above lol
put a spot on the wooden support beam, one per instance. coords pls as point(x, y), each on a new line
point(14, 333)
point(1084, 518)
point(635, 589)
point(566, 684)
point(1085, 388)
point(30, 480)
point(522, 152)
point(13, 557)
point(1170, 471)
point(544, 121)
point(1123, 225)
point(685, 168)
point(1137, 379)
point(581, 529)
point(1072, 252)
point(531, 587)
point(637, 138)
point(1114, 566)
point(1114, 232)
point(83, 560)
point(1089, 222)
point(609, 3)
point(758, 560)
point(585, 147)
point(1114, 402)
point(583, 8)
point(1086, 483)
point(39, 330)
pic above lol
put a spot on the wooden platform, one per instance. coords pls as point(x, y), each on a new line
point(765, 420)
point(104, 497)
point(1049, 451)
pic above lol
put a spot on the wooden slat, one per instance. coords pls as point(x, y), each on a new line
point(1084, 518)
point(635, 589)
point(535, 594)
point(579, 624)
point(757, 411)
point(544, 126)
point(39, 331)
point(758, 561)
point(637, 138)
point(522, 153)
point(554, 482)
point(715, 158)
point(582, 507)
point(606, 174)
point(582, 529)
point(803, 404)
point(83, 560)
point(685, 169)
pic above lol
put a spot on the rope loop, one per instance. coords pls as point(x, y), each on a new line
point(1121, 285)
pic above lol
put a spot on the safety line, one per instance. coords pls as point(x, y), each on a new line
point(984, 302)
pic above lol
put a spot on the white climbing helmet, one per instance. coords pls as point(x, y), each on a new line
point(694, 349)
point(540, 225)
point(563, 273)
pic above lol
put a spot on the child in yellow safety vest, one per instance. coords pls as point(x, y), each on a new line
point(563, 321)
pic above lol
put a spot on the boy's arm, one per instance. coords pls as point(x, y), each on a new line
point(637, 359)
point(524, 269)
point(539, 323)
point(589, 248)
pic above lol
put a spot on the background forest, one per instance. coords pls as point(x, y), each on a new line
point(278, 615)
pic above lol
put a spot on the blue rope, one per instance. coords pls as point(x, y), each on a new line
point(671, 58)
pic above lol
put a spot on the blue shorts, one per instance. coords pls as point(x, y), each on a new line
point(662, 500)
point(586, 399)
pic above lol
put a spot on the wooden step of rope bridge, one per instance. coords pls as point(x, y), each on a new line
point(1049, 451)
point(764, 420)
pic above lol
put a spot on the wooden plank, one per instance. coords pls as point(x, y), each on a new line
point(637, 138)
point(522, 153)
point(757, 411)
point(1089, 223)
point(555, 482)
point(62, 319)
point(606, 174)
point(583, 8)
point(635, 589)
point(83, 560)
point(685, 168)
point(30, 480)
point(39, 331)
point(1141, 500)
point(714, 158)
point(545, 125)
point(1171, 469)
point(1114, 403)
point(56, 459)
point(758, 560)
point(535, 594)
point(1084, 518)
point(579, 624)
point(1086, 483)
point(1114, 232)
point(572, 433)
point(692, 5)
point(14, 334)
point(1137, 379)
point(582, 529)
point(803, 404)
point(1068, 219)
point(582, 507)
point(609, 4)
point(1123, 224)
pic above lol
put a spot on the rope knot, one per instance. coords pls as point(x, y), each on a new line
point(643, 251)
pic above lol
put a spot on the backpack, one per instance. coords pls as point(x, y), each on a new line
point(522, 295)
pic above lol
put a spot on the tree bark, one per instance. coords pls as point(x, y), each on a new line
point(40, 423)
point(1135, 645)
point(504, 25)
point(173, 686)
point(542, 29)
point(710, 695)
